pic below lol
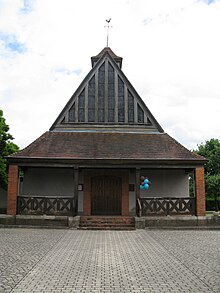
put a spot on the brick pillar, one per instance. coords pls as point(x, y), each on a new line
point(12, 189)
point(200, 191)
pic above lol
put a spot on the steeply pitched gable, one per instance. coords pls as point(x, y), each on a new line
point(106, 99)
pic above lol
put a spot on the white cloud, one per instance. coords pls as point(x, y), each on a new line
point(170, 53)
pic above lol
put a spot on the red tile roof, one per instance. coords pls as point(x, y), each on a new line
point(93, 145)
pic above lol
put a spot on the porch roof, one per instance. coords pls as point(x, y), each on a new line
point(107, 146)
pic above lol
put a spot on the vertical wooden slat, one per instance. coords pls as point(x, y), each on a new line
point(126, 103)
point(125, 193)
point(76, 110)
point(76, 182)
point(96, 95)
point(137, 182)
point(86, 103)
point(116, 97)
point(66, 116)
point(135, 112)
point(106, 91)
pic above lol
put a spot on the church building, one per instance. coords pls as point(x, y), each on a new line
point(95, 157)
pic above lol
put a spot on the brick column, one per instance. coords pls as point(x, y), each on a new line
point(12, 190)
point(200, 191)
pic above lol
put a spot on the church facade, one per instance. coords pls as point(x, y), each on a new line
point(92, 159)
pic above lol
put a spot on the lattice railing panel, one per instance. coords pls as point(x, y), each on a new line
point(46, 205)
point(167, 206)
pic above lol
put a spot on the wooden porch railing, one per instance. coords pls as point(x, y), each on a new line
point(151, 206)
point(46, 205)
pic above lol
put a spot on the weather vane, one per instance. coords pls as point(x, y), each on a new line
point(108, 26)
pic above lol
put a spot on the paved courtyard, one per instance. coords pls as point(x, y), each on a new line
point(49, 260)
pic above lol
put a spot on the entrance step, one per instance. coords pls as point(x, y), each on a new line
point(106, 223)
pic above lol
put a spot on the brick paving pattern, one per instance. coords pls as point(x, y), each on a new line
point(199, 251)
point(65, 261)
point(20, 251)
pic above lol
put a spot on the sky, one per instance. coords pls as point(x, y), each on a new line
point(170, 50)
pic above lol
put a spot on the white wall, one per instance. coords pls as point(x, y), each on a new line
point(48, 181)
point(166, 183)
point(60, 182)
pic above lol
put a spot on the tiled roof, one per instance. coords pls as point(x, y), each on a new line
point(93, 145)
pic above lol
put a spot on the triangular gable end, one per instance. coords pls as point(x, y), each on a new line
point(106, 99)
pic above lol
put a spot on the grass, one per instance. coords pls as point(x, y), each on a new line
point(209, 213)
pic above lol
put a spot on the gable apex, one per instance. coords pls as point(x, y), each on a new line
point(108, 50)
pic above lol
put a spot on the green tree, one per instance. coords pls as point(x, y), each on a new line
point(7, 147)
point(211, 151)
point(213, 185)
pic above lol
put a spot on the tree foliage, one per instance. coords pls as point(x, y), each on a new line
point(7, 147)
point(213, 185)
point(211, 151)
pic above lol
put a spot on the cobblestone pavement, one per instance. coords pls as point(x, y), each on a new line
point(199, 251)
point(33, 260)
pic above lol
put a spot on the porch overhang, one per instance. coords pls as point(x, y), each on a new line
point(107, 163)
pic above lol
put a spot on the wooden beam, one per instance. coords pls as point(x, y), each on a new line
point(137, 182)
point(76, 110)
point(96, 95)
point(86, 103)
point(106, 91)
point(116, 97)
point(75, 186)
point(135, 112)
point(126, 103)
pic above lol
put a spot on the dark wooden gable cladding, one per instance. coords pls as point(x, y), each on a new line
point(106, 98)
point(116, 58)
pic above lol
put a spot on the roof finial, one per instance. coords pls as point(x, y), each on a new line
point(108, 26)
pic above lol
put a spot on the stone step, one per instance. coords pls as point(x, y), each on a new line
point(107, 218)
point(106, 223)
point(122, 228)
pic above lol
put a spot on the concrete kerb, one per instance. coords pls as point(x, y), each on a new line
point(177, 222)
point(7, 219)
point(34, 221)
point(73, 222)
point(168, 222)
point(39, 221)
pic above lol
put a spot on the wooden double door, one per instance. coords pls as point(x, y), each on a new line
point(106, 193)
